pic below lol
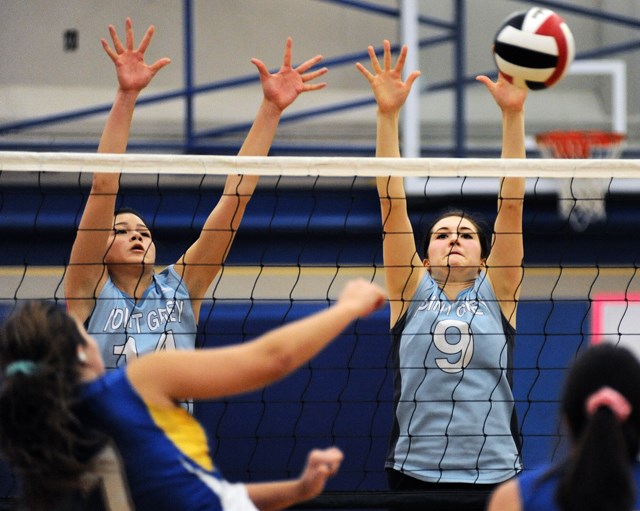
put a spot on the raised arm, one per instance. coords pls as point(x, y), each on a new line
point(165, 377)
point(86, 273)
point(403, 266)
point(505, 263)
point(203, 260)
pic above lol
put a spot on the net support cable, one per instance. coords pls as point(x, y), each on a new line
point(317, 166)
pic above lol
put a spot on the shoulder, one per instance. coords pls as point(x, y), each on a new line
point(426, 288)
point(105, 383)
point(426, 284)
point(99, 397)
point(170, 276)
point(109, 289)
point(483, 284)
point(168, 273)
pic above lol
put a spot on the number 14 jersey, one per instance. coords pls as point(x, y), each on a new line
point(162, 319)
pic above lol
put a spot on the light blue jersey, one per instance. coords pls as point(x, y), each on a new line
point(162, 319)
point(454, 418)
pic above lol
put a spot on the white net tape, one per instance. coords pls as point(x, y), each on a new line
point(582, 200)
point(295, 166)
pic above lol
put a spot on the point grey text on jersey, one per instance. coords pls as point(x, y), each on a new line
point(156, 319)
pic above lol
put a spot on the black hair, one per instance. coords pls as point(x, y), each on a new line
point(598, 474)
point(40, 435)
point(127, 210)
point(478, 223)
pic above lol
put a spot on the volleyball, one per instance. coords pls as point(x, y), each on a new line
point(533, 49)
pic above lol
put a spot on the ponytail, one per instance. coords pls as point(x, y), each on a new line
point(598, 475)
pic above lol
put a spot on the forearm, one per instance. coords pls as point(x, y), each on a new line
point(391, 192)
point(390, 189)
point(513, 146)
point(511, 193)
point(263, 131)
point(273, 496)
point(238, 190)
point(513, 134)
point(387, 135)
point(115, 135)
point(393, 208)
point(292, 345)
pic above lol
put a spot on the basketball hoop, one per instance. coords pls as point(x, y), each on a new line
point(582, 200)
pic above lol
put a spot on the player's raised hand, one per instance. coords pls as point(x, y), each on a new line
point(133, 73)
point(386, 81)
point(283, 87)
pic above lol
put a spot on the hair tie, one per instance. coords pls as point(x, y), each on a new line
point(612, 399)
point(26, 367)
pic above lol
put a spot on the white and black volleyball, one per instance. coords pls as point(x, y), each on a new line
point(534, 48)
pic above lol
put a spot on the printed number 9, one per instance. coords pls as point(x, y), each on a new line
point(460, 350)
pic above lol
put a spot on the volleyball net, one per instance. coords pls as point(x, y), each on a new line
point(313, 224)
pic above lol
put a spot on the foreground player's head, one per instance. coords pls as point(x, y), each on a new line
point(600, 367)
point(42, 353)
point(601, 406)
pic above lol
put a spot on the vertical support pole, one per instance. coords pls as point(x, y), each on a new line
point(411, 110)
point(187, 15)
point(459, 71)
point(619, 97)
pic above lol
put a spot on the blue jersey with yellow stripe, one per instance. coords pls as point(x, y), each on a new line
point(165, 451)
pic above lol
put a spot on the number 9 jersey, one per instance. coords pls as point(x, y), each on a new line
point(454, 414)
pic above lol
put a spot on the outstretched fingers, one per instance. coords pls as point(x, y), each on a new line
point(375, 64)
point(159, 64)
point(112, 54)
point(286, 62)
point(262, 68)
point(412, 78)
point(364, 72)
point(305, 66)
point(129, 33)
point(313, 86)
point(387, 54)
point(117, 43)
point(144, 44)
point(313, 75)
point(401, 59)
point(119, 48)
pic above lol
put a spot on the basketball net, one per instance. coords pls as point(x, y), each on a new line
point(581, 200)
